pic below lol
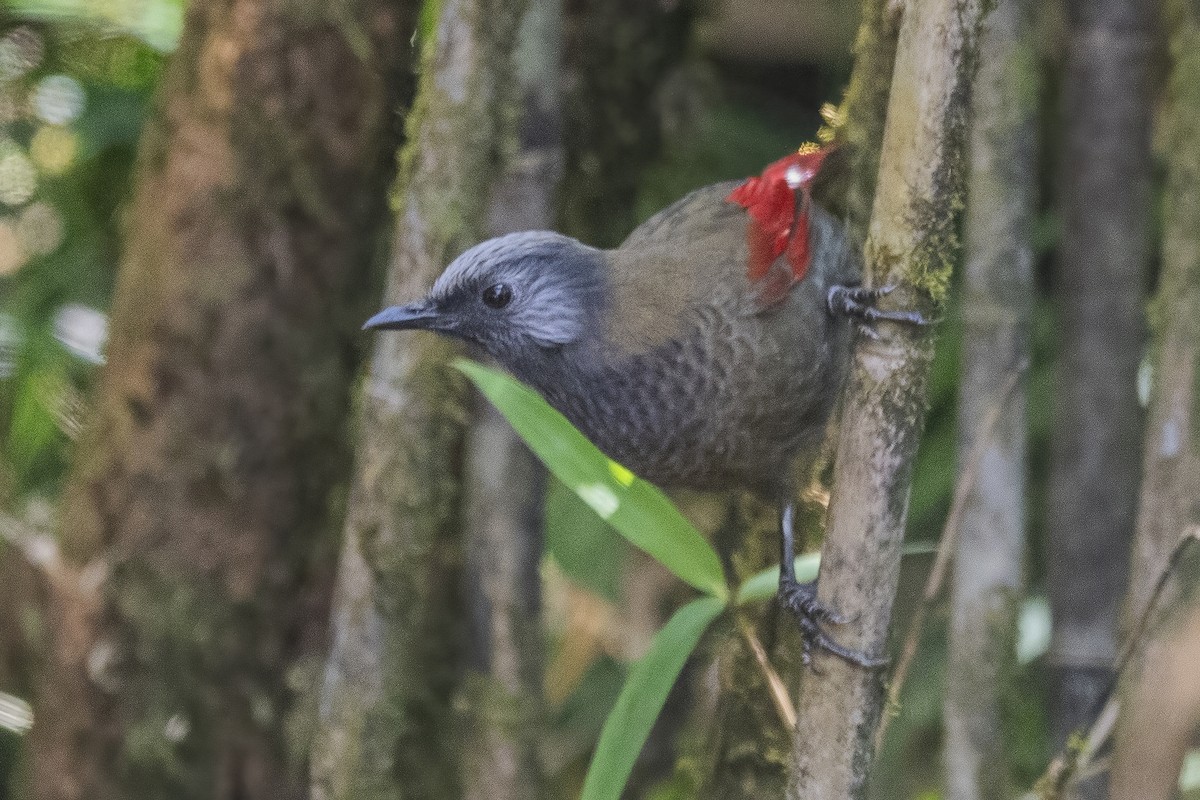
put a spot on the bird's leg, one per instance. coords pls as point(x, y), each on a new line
point(858, 302)
point(801, 600)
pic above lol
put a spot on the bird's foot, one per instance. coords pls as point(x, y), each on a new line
point(858, 303)
point(811, 615)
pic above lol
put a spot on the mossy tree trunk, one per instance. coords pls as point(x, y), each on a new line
point(746, 745)
point(197, 515)
point(988, 567)
point(1170, 496)
point(504, 487)
point(387, 725)
point(1105, 207)
point(910, 244)
point(1160, 708)
point(858, 126)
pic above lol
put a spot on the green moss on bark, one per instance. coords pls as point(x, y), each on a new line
point(387, 722)
point(857, 126)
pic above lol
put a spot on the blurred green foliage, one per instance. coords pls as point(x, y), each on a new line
point(83, 159)
point(74, 88)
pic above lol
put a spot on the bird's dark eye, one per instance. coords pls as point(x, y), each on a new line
point(498, 295)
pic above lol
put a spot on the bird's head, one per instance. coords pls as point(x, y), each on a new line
point(523, 292)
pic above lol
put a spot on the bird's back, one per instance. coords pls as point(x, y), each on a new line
point(695, 381)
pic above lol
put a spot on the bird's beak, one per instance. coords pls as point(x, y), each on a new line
point(420, 315)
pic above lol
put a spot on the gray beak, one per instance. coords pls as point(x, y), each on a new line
point(414, 316)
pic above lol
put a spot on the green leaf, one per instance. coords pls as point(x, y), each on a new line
point(763, 585)
point(637, 510)
point(642, 698)
point(587, 549)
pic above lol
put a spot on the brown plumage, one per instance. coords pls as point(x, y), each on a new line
point(695, 383)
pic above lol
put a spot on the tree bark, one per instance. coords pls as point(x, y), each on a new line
point(1105, 204)
point(386, 717)
point(746, 746)
point(861, 118)
point(196, 516)
point(911, 244)
point(988, 566)
point(1159, 713)
point(1170, 496)
point(505, 484)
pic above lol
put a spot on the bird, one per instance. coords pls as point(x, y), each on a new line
point(707, 351)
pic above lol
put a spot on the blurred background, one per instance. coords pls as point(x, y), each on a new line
point(96, 100)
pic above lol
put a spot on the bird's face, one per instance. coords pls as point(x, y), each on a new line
point(513, 294)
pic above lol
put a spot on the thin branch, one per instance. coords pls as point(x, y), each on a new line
point(1071, 764)
point(946, 546)
point(1190, 535)
point(778, 691)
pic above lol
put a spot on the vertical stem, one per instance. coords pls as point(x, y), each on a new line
point(1159, 713)
point(386, 705)
point(863, 113)
point(617, 57)
point(997, 297)
point(1105, 202)
point(1171, 452)
point(746, 744)
point(504, 484)
point(911, 244)
point(501, 696)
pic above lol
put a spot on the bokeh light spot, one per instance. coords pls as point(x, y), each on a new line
point(58, 99)
point(10, 109)
point(82, 330)
point(21, 50)
point(53, 149)
point(12, 252)
point(40, 228)
point(18, 178)
point(10, 343)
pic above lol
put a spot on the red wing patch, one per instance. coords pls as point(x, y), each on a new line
point(777, 203)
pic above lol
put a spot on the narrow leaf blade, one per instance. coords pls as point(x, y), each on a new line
point(763, 585)
point(642, 697)
point(636, 509)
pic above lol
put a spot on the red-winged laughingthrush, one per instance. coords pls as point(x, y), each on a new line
point(706, 351)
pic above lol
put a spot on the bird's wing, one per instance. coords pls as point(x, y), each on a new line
point(697, 215)
point(694, 254)
point(673, 263)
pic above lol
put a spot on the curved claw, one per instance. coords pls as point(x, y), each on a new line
point(863, 660)
point(801, 600)
point(858, 302)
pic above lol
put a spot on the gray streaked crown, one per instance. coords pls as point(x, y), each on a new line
point(556, 285)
